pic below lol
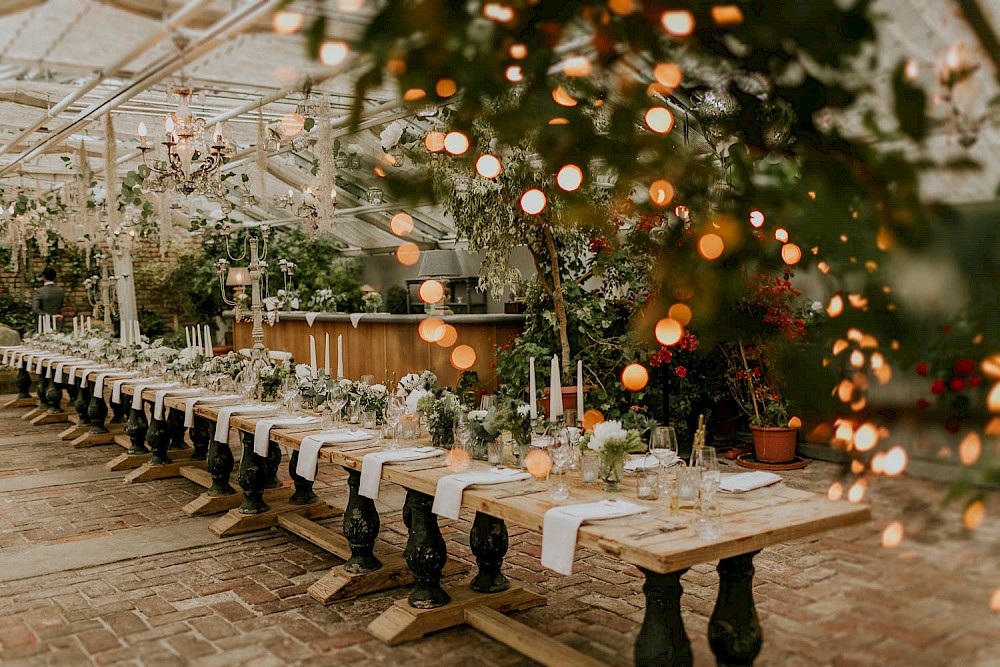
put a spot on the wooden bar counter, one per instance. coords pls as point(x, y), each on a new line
point(382, 343)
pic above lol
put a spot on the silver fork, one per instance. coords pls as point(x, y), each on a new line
point(649, 532)
point(523, 492)
point(436, 465)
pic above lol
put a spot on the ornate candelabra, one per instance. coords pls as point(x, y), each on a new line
point(257, 270)
point(99, 293)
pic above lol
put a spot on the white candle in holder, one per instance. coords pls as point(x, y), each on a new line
point(312, 353)
point(531, 388)
point(340, 356)
point(326, 353)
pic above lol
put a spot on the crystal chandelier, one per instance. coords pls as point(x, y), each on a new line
point(191, 164)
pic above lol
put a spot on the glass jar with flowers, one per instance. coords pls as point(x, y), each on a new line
point(612, 443)
point(515, 416)
point(440, 410)
point(483, 424)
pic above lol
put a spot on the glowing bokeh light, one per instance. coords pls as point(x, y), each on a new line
point(431, 330)
point(791, 254)
point(974, 514)
point(856, 493)
point(836, 306)
point(457, 460)
point(456, 143)
point(635, 377)
point(661, 192)
point(678, 22)
point(401, 224)
point(292, 123)
point(286, 22)
point(408, 254)
point(895, 461)
point(680, 312)
point(333, 52)
point(434, 141)
point(518, 51)
point(866, 437)
point(781, 234)
point(562, 98)
point(570, 177)
point(577, 66)
point(463, 357)
point(533, 201)
point(892, 535)
point(668, 331)
point(659, 120)
point(756, 218)
point(970, 449)
point(711, 246)
point(835, 492)
point(668, 74)
point(538, 463)
point(592, 418)
point(488, 166)
point(445, 88)
point(450, 336)
point(431, 291)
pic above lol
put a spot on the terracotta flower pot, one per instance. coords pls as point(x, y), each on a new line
point(568, 399)
point(774, 444)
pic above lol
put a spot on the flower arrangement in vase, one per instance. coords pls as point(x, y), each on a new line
point(440, 409)
point(613, 443)
point(485, 429)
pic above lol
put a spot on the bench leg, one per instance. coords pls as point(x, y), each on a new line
point(53, 393)
point(734, 631)
point(272, 462)
point(425, 552)
point(135, 429)
point(201, 435)
point(118, 413)
point(489, 542)
point(252, 478)
point(157, 439)
point(361, 526)
point(82, 405)
point(23, 383)
point(220, 465)
point(97, 411)
point(662, 641)
point(303, 487)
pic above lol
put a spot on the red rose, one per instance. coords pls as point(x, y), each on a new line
point(938, 387)
point(974, 381)
point(923, 404)
point(965, 367)
point(957, 384)
point(681, 372)
point(923, 368)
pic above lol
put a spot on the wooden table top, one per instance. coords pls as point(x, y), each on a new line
point(750, 521)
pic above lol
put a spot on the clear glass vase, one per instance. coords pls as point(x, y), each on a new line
point(612, 472)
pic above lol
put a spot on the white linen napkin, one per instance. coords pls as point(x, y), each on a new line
point(163, 393)
point(371, 465)
point(87, 370)
point(58, 376)
point(747, 481)
point(191, 402)
point(637, 463)
point(117, 373)
point(139, 388)
point(53, 362)
point(311, 444)
point(225, 414)
point(262, 430)
point(448, 494)
point(561, 524)
point(116, 388)
point(81, 366)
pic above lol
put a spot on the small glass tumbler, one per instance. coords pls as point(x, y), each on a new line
point(494, 452)
point(590, 468)
point(369, 419)
point(688, 485)
point(707, 521)
point(558, 485)
point(354, 414)
point(648, 484)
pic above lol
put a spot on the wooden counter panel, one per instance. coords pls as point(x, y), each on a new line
point(378, 347)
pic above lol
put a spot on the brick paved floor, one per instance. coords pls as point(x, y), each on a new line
point(838, 599)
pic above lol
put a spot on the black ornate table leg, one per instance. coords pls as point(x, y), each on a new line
point(303, 487)
point(135, 429)
point(82, 405)
point(119, 415)
point(662, 641)
point(175, 427)
point(489, 542)
point(23, 383)
point(220, 464)
point(98, 412)
point(734, 631)
point(361, 526)
point(42, 389)
point(425, 552)
point(201, 434)
point(157, 439)
point(71, 391)
point(271, 466)
point(252, 478)
point(54, 395)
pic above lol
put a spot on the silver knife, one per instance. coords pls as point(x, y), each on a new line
point(358, 448)
point(526, 492)
point(437, 465)
point(642, 534)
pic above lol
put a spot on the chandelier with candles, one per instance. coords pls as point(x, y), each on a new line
point(189, 164)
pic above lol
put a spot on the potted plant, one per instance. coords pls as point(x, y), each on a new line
point(775, 318)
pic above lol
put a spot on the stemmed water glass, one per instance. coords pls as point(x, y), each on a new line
point(539, 430)
point(288, 390)
point(463, 434)
point(394, 412)
point(561, 452)
point(336, 399)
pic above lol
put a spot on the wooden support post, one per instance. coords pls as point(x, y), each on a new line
point(526, 640)
point(662, 641)
point(425, 551)
point(734, 631)
point(23, 384)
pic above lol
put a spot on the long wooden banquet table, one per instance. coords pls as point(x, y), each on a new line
point(751, 522)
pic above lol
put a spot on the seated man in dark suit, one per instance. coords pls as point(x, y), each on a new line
point(48, 299)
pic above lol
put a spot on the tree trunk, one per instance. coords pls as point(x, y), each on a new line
point(557, 300)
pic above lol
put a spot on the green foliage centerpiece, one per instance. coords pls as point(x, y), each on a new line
point(612, 443)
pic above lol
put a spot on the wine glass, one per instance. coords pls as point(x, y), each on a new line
point(394, 411)
point(539, 430)
point(336, 399)
point(288, 390)
point(463, 434)
point(562, 454)
point(663, 444)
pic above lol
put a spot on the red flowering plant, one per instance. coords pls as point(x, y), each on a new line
point(695, 378)
point(773, 318)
